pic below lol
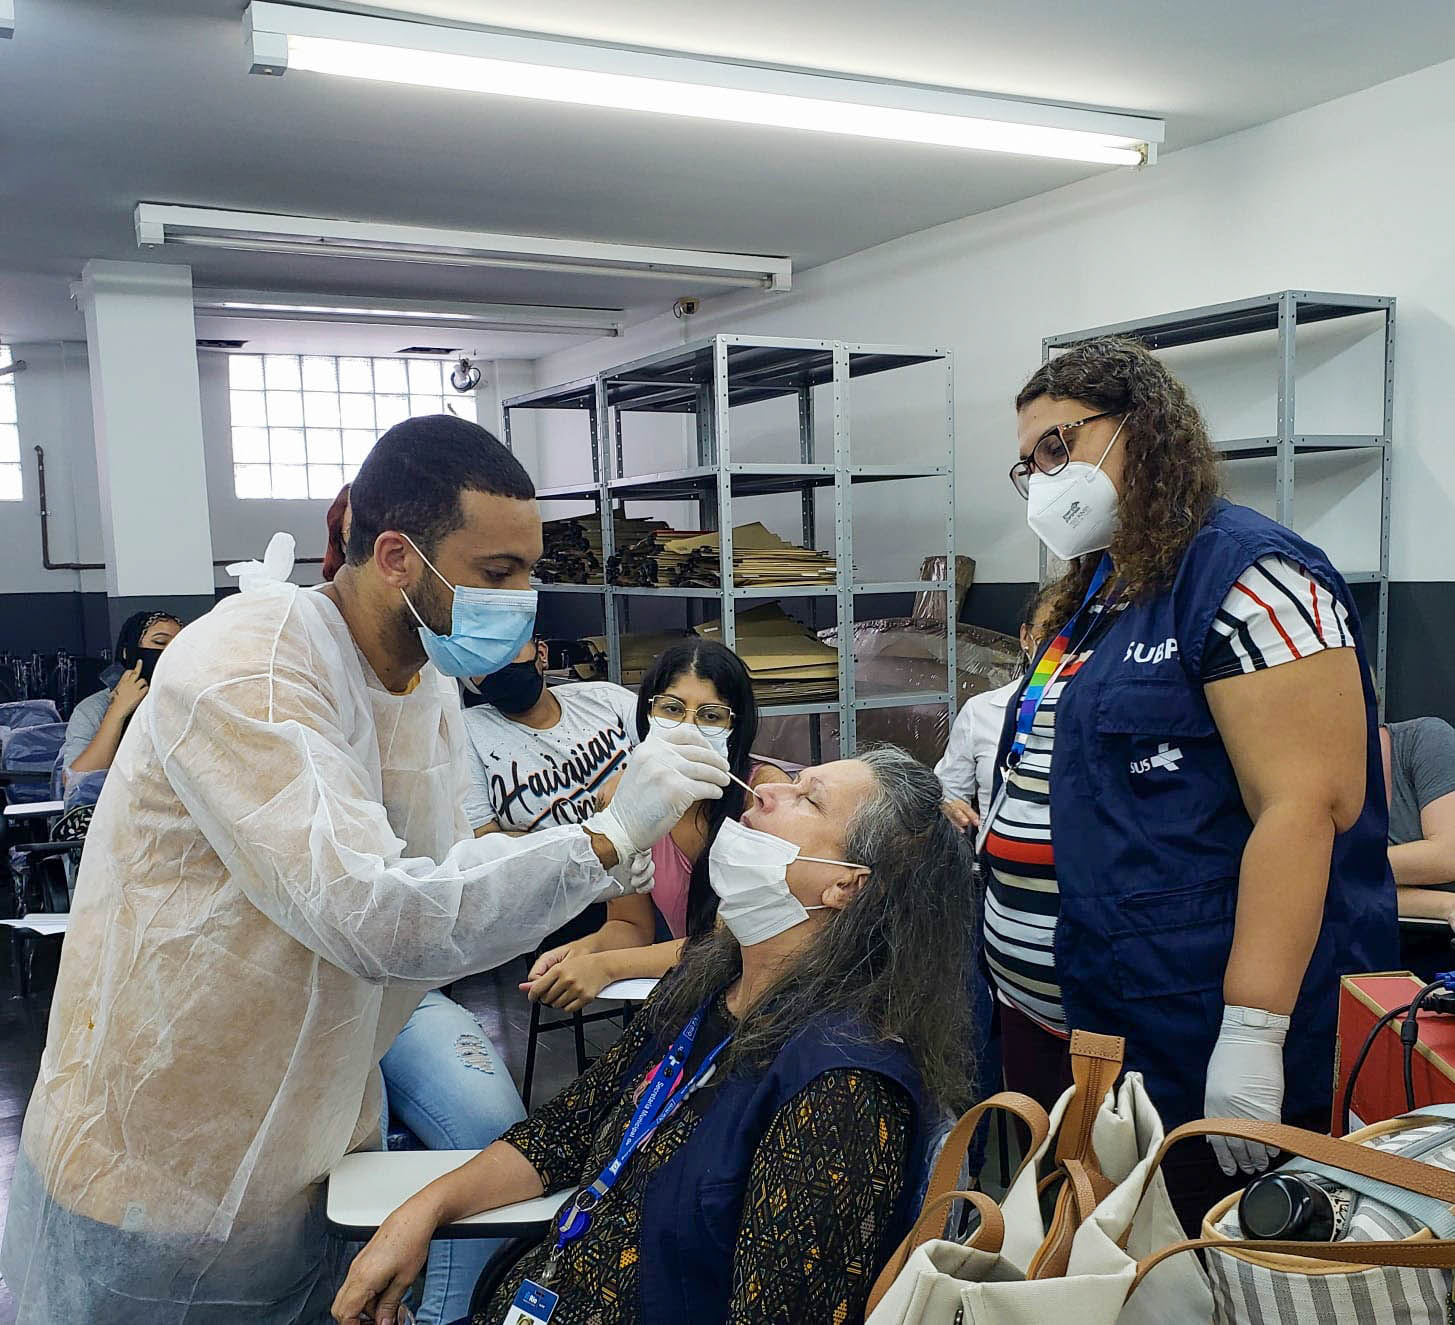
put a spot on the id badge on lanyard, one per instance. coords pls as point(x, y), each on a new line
point(1044, 675)
point(533, 1305)
point(662, 1095)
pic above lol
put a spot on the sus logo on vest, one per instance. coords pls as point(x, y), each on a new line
point(1167, 757)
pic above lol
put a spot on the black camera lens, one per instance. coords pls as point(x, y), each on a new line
point(1288, 1207)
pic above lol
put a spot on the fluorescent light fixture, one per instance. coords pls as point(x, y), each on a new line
point(517, 64)
point(292, 307)
point(7, 18)
point(205, 227)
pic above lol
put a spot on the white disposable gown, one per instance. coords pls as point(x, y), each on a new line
point(278, 869)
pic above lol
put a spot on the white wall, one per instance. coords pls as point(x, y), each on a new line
point(1354, 196)
point(54, 403)
point(53, 398)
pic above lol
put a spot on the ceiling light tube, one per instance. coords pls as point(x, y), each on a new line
point(516, 64)
point(382, 311)
point(159, 223)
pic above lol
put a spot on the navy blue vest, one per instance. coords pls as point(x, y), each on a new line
point(1149, 829)
point(694, 1202)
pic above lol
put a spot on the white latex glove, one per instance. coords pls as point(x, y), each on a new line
point(665, 776)
point(1245, 1080)
point(634, 874)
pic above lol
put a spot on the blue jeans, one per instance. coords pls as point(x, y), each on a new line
point(445, 1082)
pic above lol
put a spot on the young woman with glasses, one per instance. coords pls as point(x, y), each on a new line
point(705, 683)
point(1186, 844)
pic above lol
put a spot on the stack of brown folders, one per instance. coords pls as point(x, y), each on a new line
point(573, 547)
point(668, 558)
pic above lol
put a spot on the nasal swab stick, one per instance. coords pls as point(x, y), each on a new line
point(745, 787)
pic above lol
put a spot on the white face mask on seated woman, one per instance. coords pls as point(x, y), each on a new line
point(717, 737)
point(748, 870)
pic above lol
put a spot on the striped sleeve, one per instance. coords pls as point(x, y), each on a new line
point(1276, 613)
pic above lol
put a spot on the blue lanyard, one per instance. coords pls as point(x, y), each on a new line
point(1048, 668)
point(664, 1093)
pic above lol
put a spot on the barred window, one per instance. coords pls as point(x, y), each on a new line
point(302, 423)
point(10, 482)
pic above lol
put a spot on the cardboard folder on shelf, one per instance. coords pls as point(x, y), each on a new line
point(637, 654)
point(788, 665)
point(667, 558)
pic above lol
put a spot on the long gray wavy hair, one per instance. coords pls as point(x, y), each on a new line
point(893, 961)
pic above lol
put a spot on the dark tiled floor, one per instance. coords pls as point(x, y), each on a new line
point(494, 998)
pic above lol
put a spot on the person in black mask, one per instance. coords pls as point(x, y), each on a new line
point(540, 755)
point(98, 721)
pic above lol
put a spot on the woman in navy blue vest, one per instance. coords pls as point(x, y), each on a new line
point(752, 1148)
point(1187, 842)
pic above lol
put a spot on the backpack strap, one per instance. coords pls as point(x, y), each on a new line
point(1434, 1214)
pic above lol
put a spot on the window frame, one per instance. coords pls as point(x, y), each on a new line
point(12, 469)
point(287, 415)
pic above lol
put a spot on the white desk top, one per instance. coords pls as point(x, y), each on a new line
point(33, 809)
point(43, 923)
point(1427, 922)
point(367, 1187)
point(629, 991)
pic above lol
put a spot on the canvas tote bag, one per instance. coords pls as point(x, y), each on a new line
point(1111, 1209)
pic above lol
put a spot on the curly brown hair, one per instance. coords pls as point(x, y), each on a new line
point(1169, 480)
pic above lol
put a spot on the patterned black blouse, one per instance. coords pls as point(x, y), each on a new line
point(822, 1189)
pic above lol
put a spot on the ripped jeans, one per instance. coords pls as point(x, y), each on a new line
point(445, 1082)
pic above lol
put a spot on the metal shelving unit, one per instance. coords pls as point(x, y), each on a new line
point(1283, 312)
point(707, 380)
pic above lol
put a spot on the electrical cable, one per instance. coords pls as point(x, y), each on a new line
point(1348, 1102)
point(1409, 1034)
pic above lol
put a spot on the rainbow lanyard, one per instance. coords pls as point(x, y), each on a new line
point(1048, 668)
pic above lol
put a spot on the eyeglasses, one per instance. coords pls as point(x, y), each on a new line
point(1051, 453)
point(709, 717)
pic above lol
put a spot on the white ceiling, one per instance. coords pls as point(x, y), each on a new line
point(107, 102)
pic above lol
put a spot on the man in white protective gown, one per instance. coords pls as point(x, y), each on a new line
point(278, 869)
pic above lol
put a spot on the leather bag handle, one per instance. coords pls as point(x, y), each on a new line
point(1397, 1170)
point(947, 1168)
point(1424, 1254)
point(988, 1237)
point(1096, 1062)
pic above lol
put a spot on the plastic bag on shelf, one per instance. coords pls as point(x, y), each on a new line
point(929, 606)
point(897, 656)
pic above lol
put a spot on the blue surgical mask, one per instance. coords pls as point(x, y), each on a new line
point(487, 627)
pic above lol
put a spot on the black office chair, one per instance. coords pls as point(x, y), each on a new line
point(588, 922)
point(43, 875)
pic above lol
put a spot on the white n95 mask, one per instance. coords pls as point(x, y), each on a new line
point(748, 871)
point(1075, 511)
